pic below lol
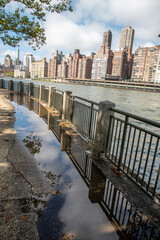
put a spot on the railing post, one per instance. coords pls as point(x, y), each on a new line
point(1, 83)
point(102, 129)
point(50, 96)
point(10, 86)
point(20, 87)
point(41, 92)
point(65, 106)
point(65, 140)
point(97, 185)
point(30, 89)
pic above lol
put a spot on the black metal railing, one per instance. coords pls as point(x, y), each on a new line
point(36, 90)
point(133, 142)
point(83, 116)
point(57, 100)
point(135, 149)
point(45, 94)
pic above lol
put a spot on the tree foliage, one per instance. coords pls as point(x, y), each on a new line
point(26, 21)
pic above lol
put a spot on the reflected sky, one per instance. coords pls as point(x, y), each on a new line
point(80, 207)
point(71, 212)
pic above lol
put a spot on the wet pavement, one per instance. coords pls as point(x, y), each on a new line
point(20, 178)
point(86, 198)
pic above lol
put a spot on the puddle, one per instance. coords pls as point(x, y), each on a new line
point(84, 204)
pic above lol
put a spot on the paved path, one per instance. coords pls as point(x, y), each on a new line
point(20, 181)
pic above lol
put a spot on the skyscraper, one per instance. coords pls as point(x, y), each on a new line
point(102, 62)
point(28, 59)
point(126, 38)
point(107, 39)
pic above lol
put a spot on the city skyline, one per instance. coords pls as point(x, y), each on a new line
point(84, 27)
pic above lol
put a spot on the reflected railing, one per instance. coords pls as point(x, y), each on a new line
point(127, 221)
point(132, 142)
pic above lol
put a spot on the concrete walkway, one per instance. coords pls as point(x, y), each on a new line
point(20, 181)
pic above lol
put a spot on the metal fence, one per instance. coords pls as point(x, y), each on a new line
point(45, 94)
point(133, 142)
point(83, 115)
point(135, 149)
point(57, 100)
point(15, 86)
point(26, 88)
point(36, 91)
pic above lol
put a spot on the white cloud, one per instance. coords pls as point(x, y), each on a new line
point(83, 29)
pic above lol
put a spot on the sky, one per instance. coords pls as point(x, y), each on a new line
point(83, 28)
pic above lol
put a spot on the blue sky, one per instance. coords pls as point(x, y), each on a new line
point(83, 29)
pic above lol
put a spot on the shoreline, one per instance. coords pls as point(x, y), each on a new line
point(136, 86)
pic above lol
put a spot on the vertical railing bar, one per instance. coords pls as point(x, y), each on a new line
point(131, 150)
point(125, 158)
point(112, 123)
point(118, 139)
point(115, 136)
point(123, 142)
point(149, 147)
point(110, 194)
point(106, 191)
point(90, 123)
point(156, 182)
point(153, 161)
point(144, 140)
point(121, 209)
point(117, 203)
point(139, 135)
point(125, 210)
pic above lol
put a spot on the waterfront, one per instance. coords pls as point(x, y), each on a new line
point(70, 209)
point(145, 104)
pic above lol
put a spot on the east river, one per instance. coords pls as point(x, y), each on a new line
point(145, 104)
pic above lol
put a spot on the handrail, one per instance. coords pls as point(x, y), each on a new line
point(142, 119)
point(86, 100)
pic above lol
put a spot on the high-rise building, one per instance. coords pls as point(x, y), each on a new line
point(146, 64)
point(52, 67)
point(102, 62)
point(84, 68)
point(62, 70)
point(107, 39)
point(120, 64)
point(28, 59)
point(8, 61)
point(126, 38)
point(39, 69)
point(73, 64)
point(58, 55)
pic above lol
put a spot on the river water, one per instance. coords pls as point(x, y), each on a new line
point(145, 104)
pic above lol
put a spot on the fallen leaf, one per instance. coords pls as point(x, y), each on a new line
point(156, 219)
point(6, 216)
point(4, 187)
point(24, 218)
point(54, 192)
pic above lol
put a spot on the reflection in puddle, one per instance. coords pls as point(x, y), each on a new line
point(84, 204)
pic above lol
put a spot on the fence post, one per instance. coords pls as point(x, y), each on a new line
point(20, 87)
point(50, 96)
point(1, 83)
point(41, 92)
point(65, 106)
point(10, 86)
point(102, 129)
point(30, 89)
